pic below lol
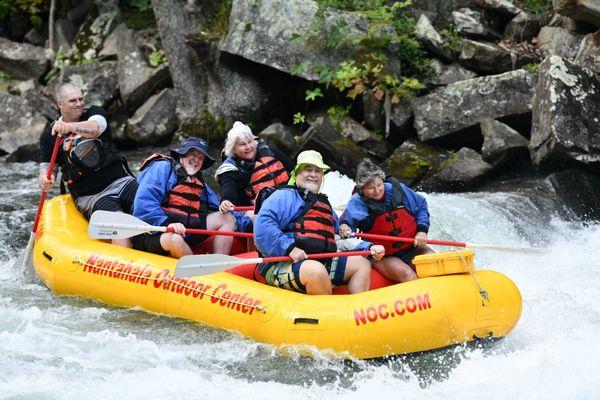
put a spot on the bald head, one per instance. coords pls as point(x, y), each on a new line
point(65, 90)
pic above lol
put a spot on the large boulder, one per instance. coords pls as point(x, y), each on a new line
point(155, 121)
point(281, 135)
point(137, 80)
point(93, 32)
point(492, 57)
point(264, 31)
point(413, 160)
point(565, 113)
point(523, 27)
point(432, 40)
point(339, 152)
point(439, 11)
point(588, 55)
point(21, 125)
point(22, 60)
point(472, 23)
point(587, 11)
point(579, 190)
point(558, 41)
point(501, 143)
point(467, 103)
point(501, 7)
point(447, 74)
point(461, 171)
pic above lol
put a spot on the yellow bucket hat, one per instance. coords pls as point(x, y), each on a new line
point(311, 157)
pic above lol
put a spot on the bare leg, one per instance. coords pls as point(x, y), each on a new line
point(175, 245)
point(221, 222)
point(420, 250)
point(122, 242)
point(395, 269)
point(314, 276)
point(358, 274)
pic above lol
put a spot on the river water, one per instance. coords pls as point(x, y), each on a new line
point(69, 348)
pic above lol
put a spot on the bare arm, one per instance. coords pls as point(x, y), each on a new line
point(87, 129)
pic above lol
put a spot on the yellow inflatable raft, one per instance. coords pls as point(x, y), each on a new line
point(428, 313)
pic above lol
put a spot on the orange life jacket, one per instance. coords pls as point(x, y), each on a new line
point(313, 230)
point(268, 172)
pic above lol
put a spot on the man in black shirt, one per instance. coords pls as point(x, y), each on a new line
point(95, 173)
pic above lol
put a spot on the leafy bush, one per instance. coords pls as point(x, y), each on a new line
point(32, 8)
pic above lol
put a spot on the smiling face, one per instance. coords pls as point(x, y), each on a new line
point(309, 177)
point(245, 148)
point(192, 161)
point(374, 189)
point(70, 104)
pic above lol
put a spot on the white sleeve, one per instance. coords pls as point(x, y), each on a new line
point(101, 122)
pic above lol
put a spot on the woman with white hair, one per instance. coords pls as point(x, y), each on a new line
point(250, 165)
point(384, 206)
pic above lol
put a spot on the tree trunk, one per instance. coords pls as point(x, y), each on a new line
point(175, 24)
point(51, 25)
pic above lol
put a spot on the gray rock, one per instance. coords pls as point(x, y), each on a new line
point(413, 160)
point(78, 13)
point(501, 143)
point(233, 93)
point(64, 33)
point(439, 12)
point(137, 80)
point(491, 58)
point(565, 115)
point(360, 135)
point(262, 31)
point(109, 48)
point(93, 32)
point(502, 7)
point(35, 37)
point(588, 55)
point(431, 39)
point(447, 74)
point(175, 24)
point(21, 125)
point(340, 153)
point(42, 104)
point(401, 114)
point(464, 104)
point(579, 190)
point(472, 23)
point(281, 135)
point(523, 27)
point(22, 60)
point(559, 42)
point(373, 112)
point(155, 121)
point(587, 11)
point(461, 171)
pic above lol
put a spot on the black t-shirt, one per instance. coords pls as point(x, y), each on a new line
point(96, 181)
point(234, 183)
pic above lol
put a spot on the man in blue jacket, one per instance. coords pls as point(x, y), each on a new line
point(172, 193)
point(296, 220)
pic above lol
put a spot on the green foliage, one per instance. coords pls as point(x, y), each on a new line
point(390, 37)
point(337, 114)
point(531, 67)
point(76, 58)
point(541, 8)
point(141, 5)
point(31, 8)
point(216, 22)
point(451, 38)
point(4, 77)
point(300, 68)
point(299, 118)
point(157, 58)
point(312, 95)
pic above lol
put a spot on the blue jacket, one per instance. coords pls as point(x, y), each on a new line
point(416, 205)
point(272, 225)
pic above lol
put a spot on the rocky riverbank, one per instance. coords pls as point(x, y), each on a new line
point(454, 96)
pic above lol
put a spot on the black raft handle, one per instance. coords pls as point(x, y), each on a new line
point(312, 321)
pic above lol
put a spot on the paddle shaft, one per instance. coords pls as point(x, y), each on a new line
point(209, 232)
point(408, 240)
point(48, 176)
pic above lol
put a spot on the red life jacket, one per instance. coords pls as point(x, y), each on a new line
point(182, 202)
point(390, 221)
point(268, 172)
point(313, 230)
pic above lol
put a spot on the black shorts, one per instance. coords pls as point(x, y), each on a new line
point(150, 242)
point(122, 200)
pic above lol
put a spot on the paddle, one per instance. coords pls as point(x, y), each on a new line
point(204, 264)
point(115, 225)
point(450, 243)
point(28, 254)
